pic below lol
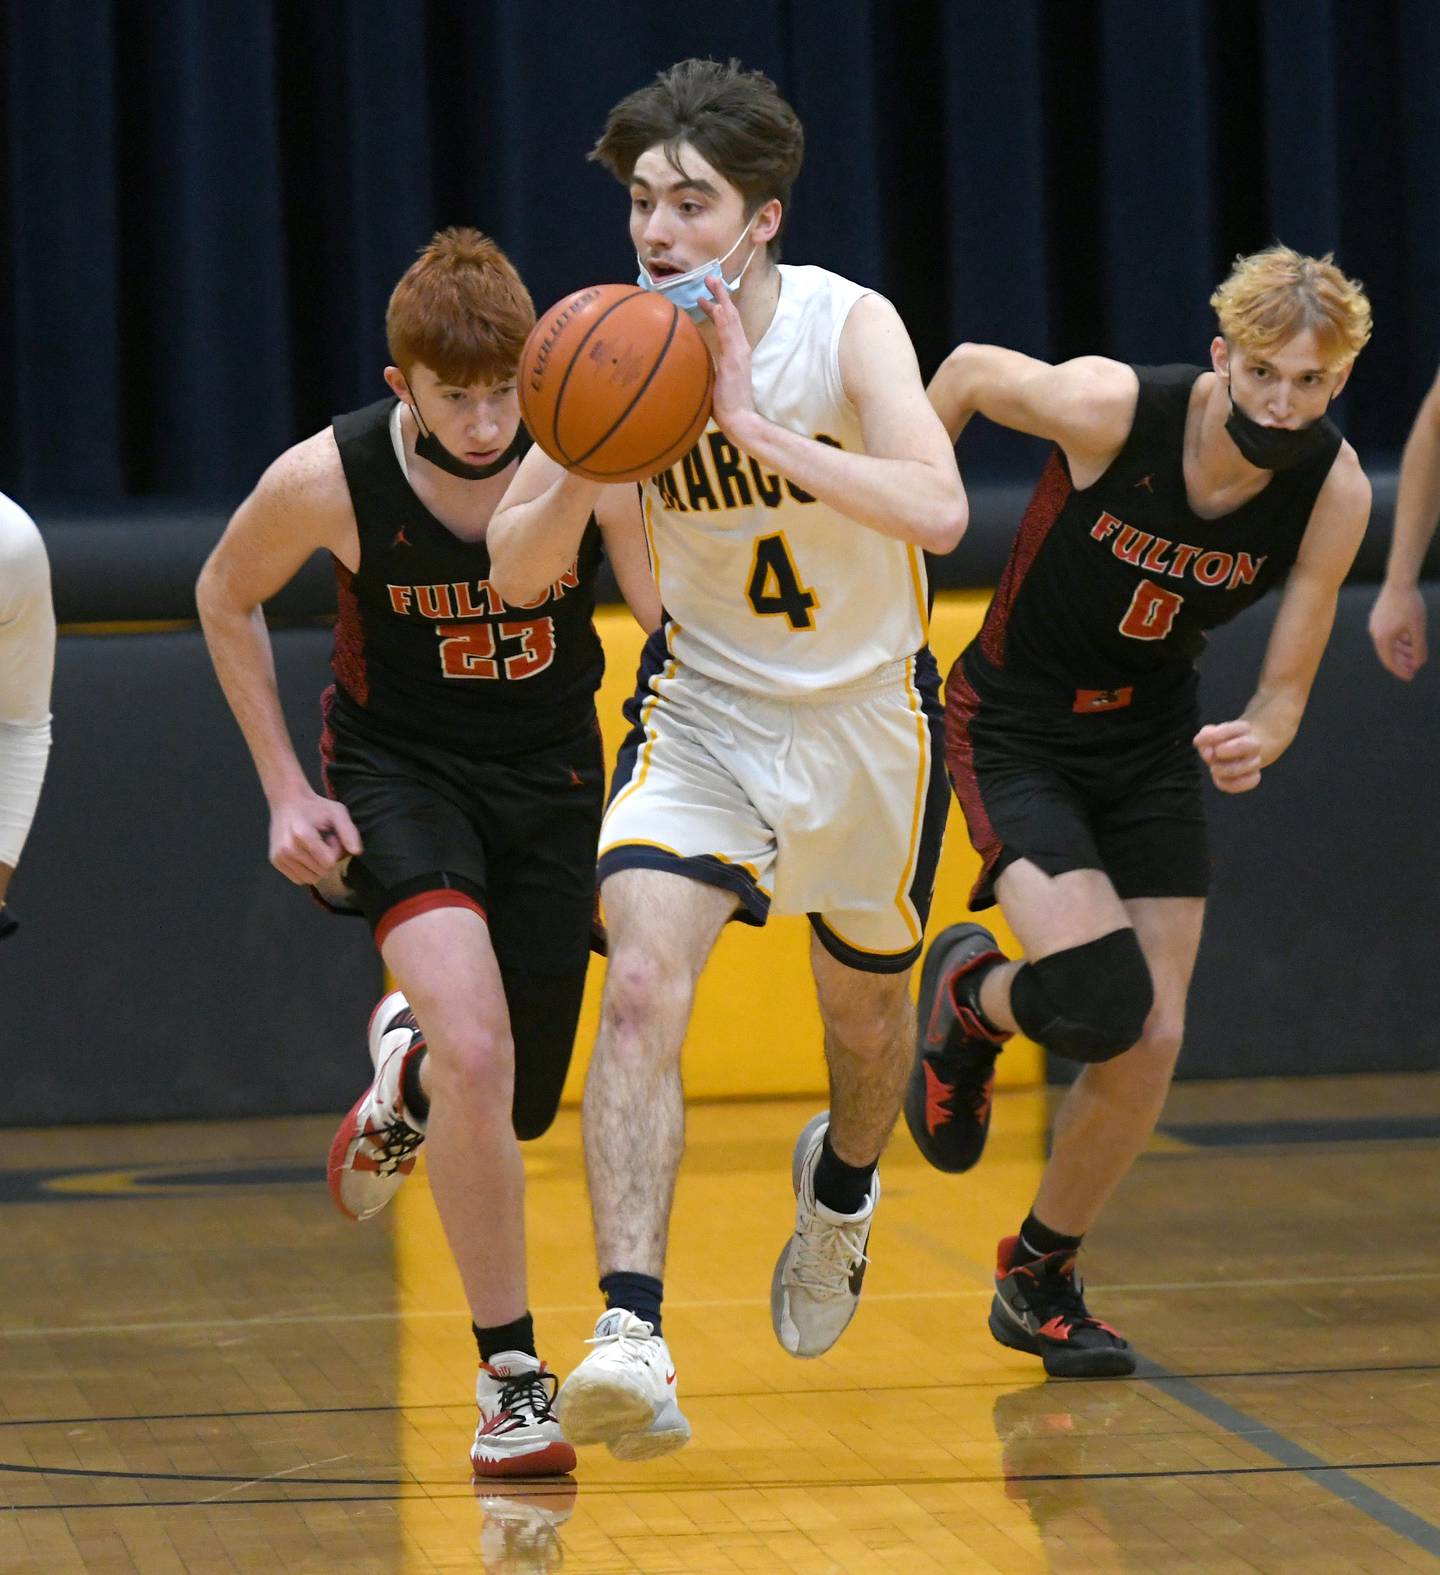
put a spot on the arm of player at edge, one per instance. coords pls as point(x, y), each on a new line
point(1397, 620)
point(1238, 751)
point(906, 484)
point(299, 506)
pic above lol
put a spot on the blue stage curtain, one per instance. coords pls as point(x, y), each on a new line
point(206, 202)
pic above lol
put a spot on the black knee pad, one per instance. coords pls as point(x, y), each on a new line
point(544, 1009)
point(1088, 1003)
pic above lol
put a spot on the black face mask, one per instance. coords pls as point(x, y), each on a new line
point(429, 447)
point(1271, 448)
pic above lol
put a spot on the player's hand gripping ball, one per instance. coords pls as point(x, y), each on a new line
point(615, 383)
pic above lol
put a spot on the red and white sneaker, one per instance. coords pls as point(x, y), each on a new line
point(374, 1148)
point(518, 1435)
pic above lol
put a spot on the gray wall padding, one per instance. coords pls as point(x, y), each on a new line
point(142, 563)
point(162, 967)
point(1320, 950)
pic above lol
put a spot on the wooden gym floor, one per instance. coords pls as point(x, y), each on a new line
point(204, 1368)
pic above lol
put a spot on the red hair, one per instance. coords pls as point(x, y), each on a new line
point(461, 310)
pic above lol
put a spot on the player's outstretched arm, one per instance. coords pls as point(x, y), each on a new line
point(905, 484)
point(537, 526)
point(1238, 751)
point(1086, 405)
point(300, 505)
point(1397, 620)
point(622, 525)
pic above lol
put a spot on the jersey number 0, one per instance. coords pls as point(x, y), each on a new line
point(1151, 613)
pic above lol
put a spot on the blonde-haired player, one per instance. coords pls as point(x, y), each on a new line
point(1174, 498)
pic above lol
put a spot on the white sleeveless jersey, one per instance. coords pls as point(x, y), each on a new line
point(767, 588)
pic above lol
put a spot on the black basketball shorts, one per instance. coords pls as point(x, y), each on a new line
point(513, 838)
point(1113, 791)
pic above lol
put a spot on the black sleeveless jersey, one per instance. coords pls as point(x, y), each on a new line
point(424, 646)
point(1109, 590)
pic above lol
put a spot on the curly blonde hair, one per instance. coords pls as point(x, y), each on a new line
point(1274, 294)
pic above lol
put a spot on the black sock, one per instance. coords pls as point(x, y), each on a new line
point(967, 990)
point(841, 1187)
point(414, 1097)
point(640, 1294)
point(516, 1336)
point(1037, 1240)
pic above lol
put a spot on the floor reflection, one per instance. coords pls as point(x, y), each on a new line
point(521, 1530)
point(1058, 1441)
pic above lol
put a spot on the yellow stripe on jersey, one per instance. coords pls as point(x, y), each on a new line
point(922, 782)
point(640, 842)
point(867, 951)
point(646, 712)
point(739, 864)
point(918, 581)
point(646, 508)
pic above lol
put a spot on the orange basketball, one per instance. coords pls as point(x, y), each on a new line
point(615, 383)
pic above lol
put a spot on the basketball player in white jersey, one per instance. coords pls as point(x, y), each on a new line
point(27, 665)
point(784, 753)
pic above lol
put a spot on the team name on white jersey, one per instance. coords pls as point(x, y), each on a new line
point(767, 587)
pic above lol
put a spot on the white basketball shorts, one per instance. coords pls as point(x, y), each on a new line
point(831, 805)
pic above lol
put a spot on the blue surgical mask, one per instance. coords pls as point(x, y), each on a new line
point(687, 290)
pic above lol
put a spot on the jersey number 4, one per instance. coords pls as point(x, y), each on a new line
point(775, 589)
point(1151, 613)
point(469, 650)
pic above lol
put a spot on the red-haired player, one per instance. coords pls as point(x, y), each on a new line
point(465, 778)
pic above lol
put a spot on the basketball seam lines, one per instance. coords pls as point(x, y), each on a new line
point(619, 421)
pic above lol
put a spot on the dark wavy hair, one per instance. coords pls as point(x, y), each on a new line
point(735, 119)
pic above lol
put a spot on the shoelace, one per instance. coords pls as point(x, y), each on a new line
point(825, 1255)
point(396, 1142)
point(632, 1345)
point(1062, 1291)
point(532, 1392)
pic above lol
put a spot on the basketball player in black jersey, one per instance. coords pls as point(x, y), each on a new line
point(464, 776)
point(1175, 497)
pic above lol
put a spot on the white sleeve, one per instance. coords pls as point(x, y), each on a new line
point(27, 666)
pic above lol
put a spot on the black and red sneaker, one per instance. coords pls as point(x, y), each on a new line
point(947, 1100)
point(1039, 1307)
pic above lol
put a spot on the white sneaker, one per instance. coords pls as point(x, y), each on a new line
point(374, 1148)
point(521, 1532)
point(623, 1393)
point(816, 1285)
point(518, 1435)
